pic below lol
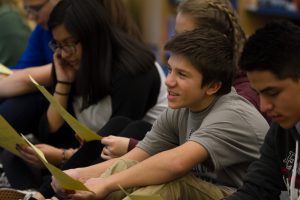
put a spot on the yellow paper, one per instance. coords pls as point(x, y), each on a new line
point(141, 197)
point(5, 70)
point(9, 138)
point(83, 132)
point(62, 178)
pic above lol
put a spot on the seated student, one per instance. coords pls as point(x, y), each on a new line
point(220, 15)
point(208, 130)
point(38, 52)
point(271, 59)
point(123, 80)
point(17, 89)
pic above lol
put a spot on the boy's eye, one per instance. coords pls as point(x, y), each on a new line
point(182, 74)
point(272, 93)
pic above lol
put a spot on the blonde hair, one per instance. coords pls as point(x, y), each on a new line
point(15, 4)
point(219, 15)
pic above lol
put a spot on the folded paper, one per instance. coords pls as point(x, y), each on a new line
point(9, 138)
point(5, 70)
point(63, 180)
point(82, 131)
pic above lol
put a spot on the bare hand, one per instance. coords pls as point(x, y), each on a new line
point(29, 156)
point(76, 174)
point(52, 154)
point(115, 146)
point(97, 185)
point(64, 71)
point(2, 76)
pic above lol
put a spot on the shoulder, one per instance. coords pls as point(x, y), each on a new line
point(234, 111)
point(235, 104)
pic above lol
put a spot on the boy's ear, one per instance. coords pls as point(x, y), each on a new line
point(213, 88)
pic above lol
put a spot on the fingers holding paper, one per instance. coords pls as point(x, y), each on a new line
point(52, 154)
point(96, 185)
point(29, 155)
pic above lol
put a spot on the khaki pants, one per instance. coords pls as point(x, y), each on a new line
point(186, 188)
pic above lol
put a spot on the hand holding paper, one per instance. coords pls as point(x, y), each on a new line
point(9, 138)
point(83, 132)
point(63, 179)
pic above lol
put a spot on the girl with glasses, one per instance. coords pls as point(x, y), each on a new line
point(99, 72)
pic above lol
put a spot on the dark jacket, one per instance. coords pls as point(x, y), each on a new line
point(272, 173)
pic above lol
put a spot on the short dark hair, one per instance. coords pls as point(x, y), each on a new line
point(210, 51)
point(217, 14)
point(276, 48)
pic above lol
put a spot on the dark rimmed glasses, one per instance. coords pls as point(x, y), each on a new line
point(34, 9)
point(69, 48)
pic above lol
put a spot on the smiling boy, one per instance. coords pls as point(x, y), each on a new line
point(271, 59)
point(201, 145)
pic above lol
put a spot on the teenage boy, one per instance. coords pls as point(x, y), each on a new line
point(200, 147)
point(271, 59)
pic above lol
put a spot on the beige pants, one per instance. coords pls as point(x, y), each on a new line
point(186, 188)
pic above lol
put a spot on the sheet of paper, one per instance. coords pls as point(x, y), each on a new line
point(141, 197)
point(5, 70)
point(62, 178)
point(82, 131)
point(9, 137)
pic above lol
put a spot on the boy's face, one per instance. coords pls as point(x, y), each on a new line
point(184, 85)
point(39, 10)
point(279, 99)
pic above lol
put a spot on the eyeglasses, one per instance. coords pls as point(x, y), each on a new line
point(69, 48)
point(34, 9)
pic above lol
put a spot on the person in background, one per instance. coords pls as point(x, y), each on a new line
point(271, 60)
point(201, 145)
point(14, 32)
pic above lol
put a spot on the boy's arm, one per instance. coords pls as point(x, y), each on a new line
point(160, 168)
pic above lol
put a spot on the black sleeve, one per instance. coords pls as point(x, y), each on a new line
point(44, 125)
point(64, 137)
point(263, 180)
point(133, 96)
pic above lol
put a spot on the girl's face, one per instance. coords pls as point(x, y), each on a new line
point(69, 48)
point(38, 10)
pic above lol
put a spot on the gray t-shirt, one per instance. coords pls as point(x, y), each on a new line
point(231, 129)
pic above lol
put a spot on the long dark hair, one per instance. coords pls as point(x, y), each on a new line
point(105, 48)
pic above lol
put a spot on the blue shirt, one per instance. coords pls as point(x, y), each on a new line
point(37, 52)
